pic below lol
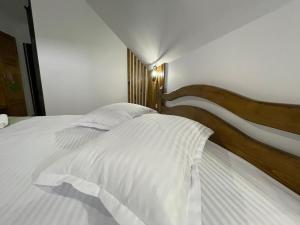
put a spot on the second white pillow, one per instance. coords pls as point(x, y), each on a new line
point(110, 116)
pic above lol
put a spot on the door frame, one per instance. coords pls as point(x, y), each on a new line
point(39, 105)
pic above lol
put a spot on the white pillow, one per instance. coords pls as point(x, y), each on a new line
point(103, 119)
point(141, 170)
point(3, 120)
point(107, 117)
point(133, 110)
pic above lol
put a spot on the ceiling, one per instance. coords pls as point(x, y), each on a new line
point(14, 9)
point(164, 30)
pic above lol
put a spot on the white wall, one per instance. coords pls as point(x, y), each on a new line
point(21, 32)
point(259, 60)
point(83, 64)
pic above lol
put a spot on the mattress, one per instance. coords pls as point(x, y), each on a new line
point(232, 190)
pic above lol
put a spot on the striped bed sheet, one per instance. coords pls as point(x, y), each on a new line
point(232, 190)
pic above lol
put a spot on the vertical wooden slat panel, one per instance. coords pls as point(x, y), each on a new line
point(131, 81)
point(146, 87)
point(142, 85)
point(128, 75)
point(139, 81)
point(135, 79)
point(135, 75)
point(131, 76)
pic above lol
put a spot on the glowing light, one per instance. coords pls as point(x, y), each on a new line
point(155, 73)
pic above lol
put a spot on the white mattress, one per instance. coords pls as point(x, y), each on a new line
point(233, 191)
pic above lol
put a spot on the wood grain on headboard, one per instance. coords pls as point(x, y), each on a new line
point(285, 117)
point(277, 163)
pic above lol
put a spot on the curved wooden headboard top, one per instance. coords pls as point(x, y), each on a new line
point(285, 117)
point(282, 166)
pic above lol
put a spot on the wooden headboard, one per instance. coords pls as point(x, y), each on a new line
point(280, 165)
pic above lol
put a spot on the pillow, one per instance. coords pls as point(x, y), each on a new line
point(107, 117)
point(103, 119)
point(141, 170)
point(133, 110)
point(3, 120)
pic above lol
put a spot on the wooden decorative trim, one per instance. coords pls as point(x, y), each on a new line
point(285, 117)
point(280, 165)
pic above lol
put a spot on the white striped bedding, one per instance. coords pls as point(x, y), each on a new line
point(233, 191)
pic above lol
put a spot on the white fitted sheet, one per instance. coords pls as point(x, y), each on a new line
point(233, 191)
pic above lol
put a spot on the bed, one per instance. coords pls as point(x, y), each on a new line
point(233, 191)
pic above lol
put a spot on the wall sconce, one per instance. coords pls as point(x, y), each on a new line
point(154, 73)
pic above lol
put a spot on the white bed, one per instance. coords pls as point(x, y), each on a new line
point(233, 191)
